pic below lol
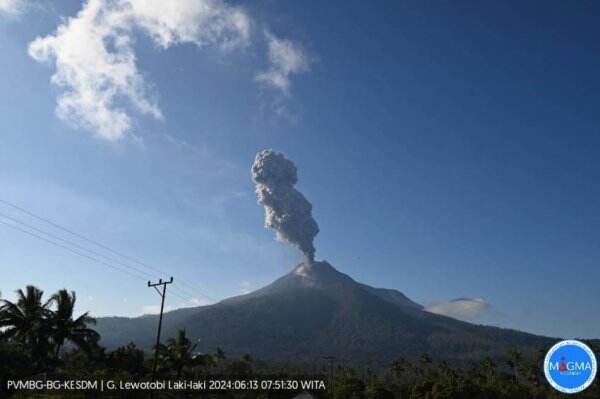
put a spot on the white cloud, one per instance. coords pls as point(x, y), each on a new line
point(203, 22)
point(95, 60)
point(461, 308)
point(199, 302)
point(286, 58)
point(12, 8)
point(155, 309)
point(245, 287)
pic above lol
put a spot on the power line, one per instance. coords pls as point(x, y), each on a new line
point(192, 287)
point(71, 250)
point(89, 240)
point(105, 247)
point(139, 274)
point(75, 245)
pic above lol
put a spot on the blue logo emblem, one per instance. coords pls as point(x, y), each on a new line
point(570, 366)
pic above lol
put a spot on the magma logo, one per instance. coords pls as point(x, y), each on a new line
point(570, 366)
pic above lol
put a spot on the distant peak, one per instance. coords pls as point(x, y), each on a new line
point(322, 274)
point(306, 267)
point(319, 273)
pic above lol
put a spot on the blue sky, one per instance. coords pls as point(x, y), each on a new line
point(449, 149)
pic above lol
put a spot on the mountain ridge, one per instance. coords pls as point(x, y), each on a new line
point(315, 310)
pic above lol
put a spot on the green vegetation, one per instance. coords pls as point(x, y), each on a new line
point(39, 329)
point(41, 340)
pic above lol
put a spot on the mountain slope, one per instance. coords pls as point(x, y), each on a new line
point(316, 310)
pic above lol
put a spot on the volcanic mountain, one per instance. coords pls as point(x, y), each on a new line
point(314, 311)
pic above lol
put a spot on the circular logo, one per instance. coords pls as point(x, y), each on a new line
point(570, 366)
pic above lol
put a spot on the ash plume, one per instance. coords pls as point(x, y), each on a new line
point(287, 211)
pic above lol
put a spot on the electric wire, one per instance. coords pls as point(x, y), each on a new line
point(69, 242)
point(133, 275)
point(137, 274)
point(107, 248)
point(12, 226)
point(103, 246)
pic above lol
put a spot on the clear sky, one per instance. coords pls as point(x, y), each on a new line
point(450, 149)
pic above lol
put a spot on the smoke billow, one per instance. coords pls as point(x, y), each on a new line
point(287, 211)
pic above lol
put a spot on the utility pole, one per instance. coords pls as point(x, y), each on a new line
point(162, 307)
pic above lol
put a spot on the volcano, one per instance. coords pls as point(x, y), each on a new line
point(316, 310)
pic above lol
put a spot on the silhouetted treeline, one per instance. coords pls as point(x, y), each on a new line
point(44, 340)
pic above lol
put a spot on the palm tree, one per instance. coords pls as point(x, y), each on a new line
point(25, 321)
point(213, 360)
point(65, 327)
point(179, 352)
